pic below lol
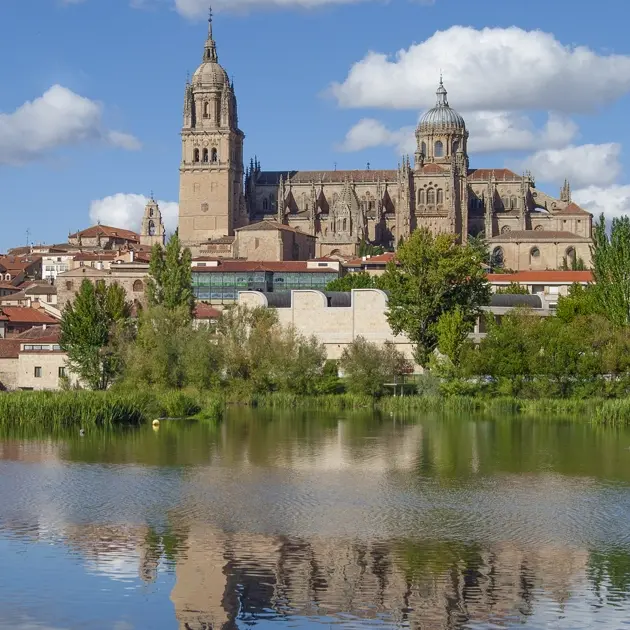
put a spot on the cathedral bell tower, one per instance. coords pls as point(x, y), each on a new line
point(211, 201)
point(152, 225)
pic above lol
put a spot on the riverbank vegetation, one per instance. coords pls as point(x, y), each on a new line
point(576, 362)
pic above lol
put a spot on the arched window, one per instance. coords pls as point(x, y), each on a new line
point(150, 212)
point(506, 203)
point(534, 254)
point(138, 286)
point(506, 229)
point(439, 149)
point(422, 198)
point(265, 205)
point(539, 228)
point(423, 148)
point(570, 254)
point(455, 146)
point(151, 228)
point(196, 155)
point(498, 257)
point(69, 285)
point(215, 155)
point(7, 277)
point(513, 203)
point(206, 110)
point(440, 196)
point(345, 225)
point(205, 156)
point(431, 196)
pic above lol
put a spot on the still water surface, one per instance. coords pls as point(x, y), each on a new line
point(316, 521)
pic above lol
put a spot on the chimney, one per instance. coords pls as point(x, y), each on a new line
point(131, 254)
point(44, 326)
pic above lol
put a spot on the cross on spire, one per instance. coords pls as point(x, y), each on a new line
point(210, 22)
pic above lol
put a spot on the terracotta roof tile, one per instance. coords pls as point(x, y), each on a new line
point(50, 333)
point(9, 348)
point(572, 209)
point(205, 311)
point(373, 260)
point(107, 231)
point(541, 277)
point(226, 265)
point(26, 315)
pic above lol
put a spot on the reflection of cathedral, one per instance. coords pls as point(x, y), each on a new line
point(526, 228)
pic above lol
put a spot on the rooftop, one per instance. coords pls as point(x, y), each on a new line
point(26, 315)
point(541, 277)
point(226, 265)
point(272, 178)
point(537, 236)
point(107, 231)
point(266, 224)
point(500, 174)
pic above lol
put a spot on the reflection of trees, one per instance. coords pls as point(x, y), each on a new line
point(609, 573)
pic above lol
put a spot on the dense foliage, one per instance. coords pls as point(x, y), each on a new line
point(358, 280)
point(433, 276)
point(92, 328)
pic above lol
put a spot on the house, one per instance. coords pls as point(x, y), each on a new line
point(205, 315)
point(17, 269)
point(17, 319)
point(103, 237)
point(373, 265)
point(33, 360)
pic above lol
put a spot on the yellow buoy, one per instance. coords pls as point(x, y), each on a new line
point(156, 424)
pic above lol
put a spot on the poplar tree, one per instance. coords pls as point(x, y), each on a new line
point(170, 276)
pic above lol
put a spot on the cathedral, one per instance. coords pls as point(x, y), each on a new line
point(524, 227)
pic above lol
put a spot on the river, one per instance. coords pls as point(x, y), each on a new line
point(311, 520)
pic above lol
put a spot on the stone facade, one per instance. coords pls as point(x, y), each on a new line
point(131, 276)
point(103, 237)
point(526, 228)
point(336, 326)
point(270, 240)
point(152, 225)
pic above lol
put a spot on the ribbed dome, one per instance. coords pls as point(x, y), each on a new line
point(441, 117)
point(210, 73)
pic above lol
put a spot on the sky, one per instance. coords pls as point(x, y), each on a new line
point(92, 92)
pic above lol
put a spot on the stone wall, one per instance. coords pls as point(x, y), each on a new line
point(8, 373)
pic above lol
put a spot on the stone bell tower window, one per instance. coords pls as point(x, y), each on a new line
point(205, 156)
point(206, 110)
point(196, 155)
point(215, 156)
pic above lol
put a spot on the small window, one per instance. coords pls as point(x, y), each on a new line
point(196, 155)
point(59, 259)
point(423, 148)
point(439, 149)
point(138, 286)
point(62, 372)
point(68, 285)
point(535, 252)
point(215, 156)
point(421, 198)
point(440, 196)
point(49, 298)
point(205, 156)
point(206, 110)
point(430, 196)
point(38, 372)
point(345, 225)
point(265, 205)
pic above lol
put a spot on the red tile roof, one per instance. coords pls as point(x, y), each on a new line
point(541, 277)
point(432, 169)
point(205, 311)
point(107, 231)
point(9, 348)
point(95, 256)
point(9, 286)
point(25, 315)
point(381, 259)
point(572, 209)
point(17, 264)
point(252, 265)
point(500, 174)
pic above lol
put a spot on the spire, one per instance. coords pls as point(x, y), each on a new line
point(442, 101)
point(565, 193)
point(210, 50)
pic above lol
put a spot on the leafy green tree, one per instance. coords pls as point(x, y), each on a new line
point(611, 262)
point(434, 275)
point(514, 288)
point(581, 300)
point(452, 333)
point(170, 276)
point(89, 327)
point(368, 366)
point(358, 280)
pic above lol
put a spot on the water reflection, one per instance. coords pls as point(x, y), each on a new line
point(359, 521)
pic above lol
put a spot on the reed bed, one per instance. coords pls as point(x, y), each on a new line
point(60, 410)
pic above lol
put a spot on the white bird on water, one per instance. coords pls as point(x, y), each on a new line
point(81, 432)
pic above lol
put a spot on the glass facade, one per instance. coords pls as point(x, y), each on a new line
point(223, 286)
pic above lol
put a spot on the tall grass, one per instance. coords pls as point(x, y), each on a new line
point(614, 412)
point(59, 410)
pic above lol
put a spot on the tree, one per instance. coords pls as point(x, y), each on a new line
point(434, 275)
point(89, 325)
point(368, 366)
point(358, 280)
point(452, 333)
point(581, 300)
point(170, 276)
point(611, 264)
point(514, 288)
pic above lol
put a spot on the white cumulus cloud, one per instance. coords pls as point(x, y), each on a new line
point(489, 132)
point(125, 210)
point(58, 118)
point(584, 165)
point(492, 69)
point(613, 201)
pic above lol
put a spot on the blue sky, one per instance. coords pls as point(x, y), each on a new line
point(91, 94)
